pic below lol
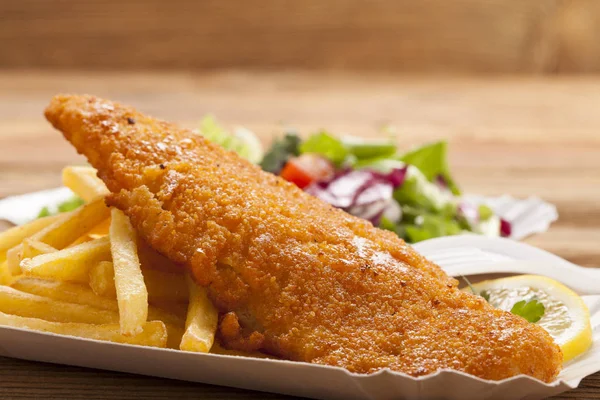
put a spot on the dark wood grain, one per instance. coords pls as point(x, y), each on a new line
point(27, 380)
point(506, 135)
point(396, 35)
point(21, 379)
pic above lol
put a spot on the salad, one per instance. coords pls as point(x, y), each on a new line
point(410, 193)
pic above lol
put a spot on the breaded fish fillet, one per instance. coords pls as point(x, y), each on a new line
point(290, 274)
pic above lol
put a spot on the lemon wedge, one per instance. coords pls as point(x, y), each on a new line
point(566, 317)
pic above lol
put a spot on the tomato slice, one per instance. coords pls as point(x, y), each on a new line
point(306, 169)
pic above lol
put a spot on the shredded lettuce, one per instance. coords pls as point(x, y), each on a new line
point(326, 145)
point(432, 161)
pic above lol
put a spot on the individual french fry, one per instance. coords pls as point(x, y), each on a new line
point(13, 259)
point(102, 279)
point(84, 182)
point(66, 230)
point(70, 264)
point(153, 333)
point(132, 295)
point(201, 321)
point(32, 248)
point(15, 302)
point(15, 235)
point(5, 275)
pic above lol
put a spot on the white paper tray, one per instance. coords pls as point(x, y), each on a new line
point(473, 253)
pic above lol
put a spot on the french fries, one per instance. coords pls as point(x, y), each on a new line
point(132, 295)
point(70, 264)
point(10, 240)
point(24, 304)
point(13, 259)
point(14, 236)
point(201, 321)
point(65, 231)
point(85, 274)
point(84, 182)
point(153, 333)
point(163, 287)
point(81, 294)
point(32, 248)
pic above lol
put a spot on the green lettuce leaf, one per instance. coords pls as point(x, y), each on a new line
point(326, 145)
point(432, 161)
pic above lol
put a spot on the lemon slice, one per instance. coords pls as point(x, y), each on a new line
point(566, 316)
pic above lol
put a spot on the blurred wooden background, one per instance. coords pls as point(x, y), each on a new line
point(464, 36)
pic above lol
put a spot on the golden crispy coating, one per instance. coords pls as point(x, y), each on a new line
point(293, 275)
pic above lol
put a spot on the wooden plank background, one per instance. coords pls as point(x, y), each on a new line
point(467, 36)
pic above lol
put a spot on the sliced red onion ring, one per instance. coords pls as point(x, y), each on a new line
point(363, 193)
point(505, 227)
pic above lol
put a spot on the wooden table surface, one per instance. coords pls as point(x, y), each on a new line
point(523, 136)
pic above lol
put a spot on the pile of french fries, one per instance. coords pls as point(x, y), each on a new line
point(86, 274)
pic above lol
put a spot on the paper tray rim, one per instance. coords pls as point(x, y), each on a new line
point(383, 371)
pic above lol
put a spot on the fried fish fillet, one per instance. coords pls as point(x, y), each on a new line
point(290, 274)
